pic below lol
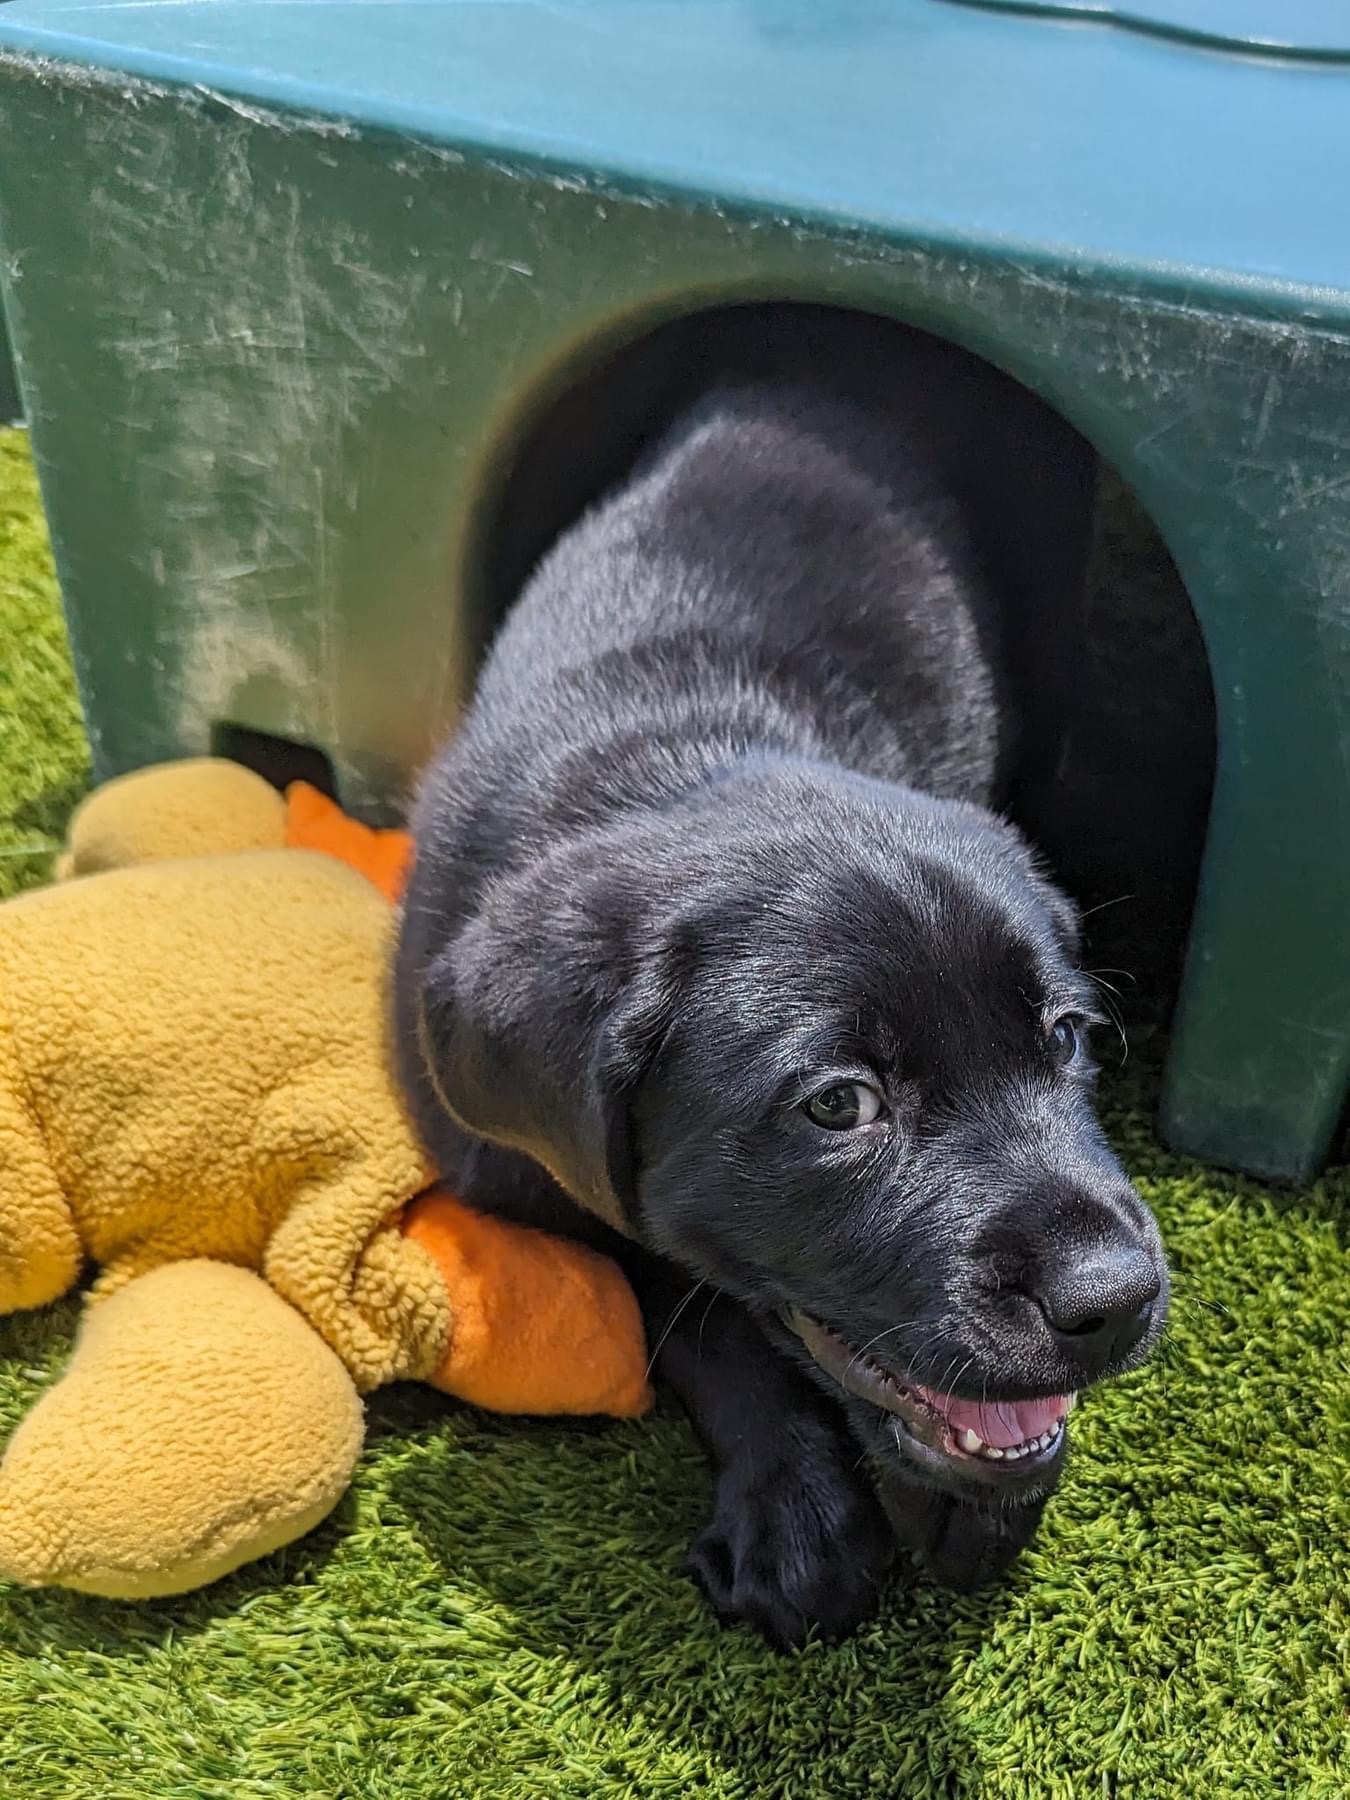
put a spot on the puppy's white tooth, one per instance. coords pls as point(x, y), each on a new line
point(970, 1441)
point(1070, 1402)
point(992, 1451)
point(1017, 1450)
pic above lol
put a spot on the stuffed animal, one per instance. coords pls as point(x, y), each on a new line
point(195, 1096)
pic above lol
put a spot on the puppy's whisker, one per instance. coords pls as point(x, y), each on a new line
point(673, 1321)
point(859, 1353)
point(1099, 976)
point(956, 1380)
point(935, 1337)
point(713, 1298)
point(946, 1381)
point(1113, 1013)
point(1102, 905)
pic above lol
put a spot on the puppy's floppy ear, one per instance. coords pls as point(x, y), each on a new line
point(539, 1017)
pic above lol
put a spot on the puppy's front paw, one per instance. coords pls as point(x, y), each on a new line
point(971, 1546)
point(787, 1554)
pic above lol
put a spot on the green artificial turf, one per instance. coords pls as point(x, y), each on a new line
point(43, 761)
point(497, 1610)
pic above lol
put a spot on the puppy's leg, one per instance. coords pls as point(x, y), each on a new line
point(797, 1537)
point(961, 1545)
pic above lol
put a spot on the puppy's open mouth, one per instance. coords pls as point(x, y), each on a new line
point(1003, 1437)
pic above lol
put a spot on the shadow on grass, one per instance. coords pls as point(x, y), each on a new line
point(590, 1576)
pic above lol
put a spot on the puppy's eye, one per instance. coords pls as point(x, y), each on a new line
point(844, 1108)
point(1064, 1039)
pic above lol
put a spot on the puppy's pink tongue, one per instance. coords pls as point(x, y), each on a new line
point(1001, 1423)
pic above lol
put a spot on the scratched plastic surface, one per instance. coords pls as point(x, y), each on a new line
point(290, 284)
point(938, 119)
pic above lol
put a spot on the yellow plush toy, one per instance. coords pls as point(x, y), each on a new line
point(195, 1095)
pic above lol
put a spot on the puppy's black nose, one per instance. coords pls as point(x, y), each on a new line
point(1099, 1304)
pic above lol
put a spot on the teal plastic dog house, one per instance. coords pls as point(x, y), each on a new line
point(289, 283)
point(9, 385)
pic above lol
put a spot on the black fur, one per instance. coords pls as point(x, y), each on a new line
point(716, 833)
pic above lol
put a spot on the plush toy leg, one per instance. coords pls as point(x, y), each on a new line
point(201, 1423)
point(351, 1161)
point(204, 806)
point(538, 1325)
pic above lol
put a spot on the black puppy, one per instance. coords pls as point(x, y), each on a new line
point(714, 954)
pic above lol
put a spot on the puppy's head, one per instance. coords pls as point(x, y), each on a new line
point(825, 1045)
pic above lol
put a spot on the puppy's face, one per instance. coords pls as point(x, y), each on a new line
point(823, 1043)
point(871, 1119)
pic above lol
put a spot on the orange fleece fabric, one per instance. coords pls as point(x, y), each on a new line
point(314, 822)
point(540, 1325)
